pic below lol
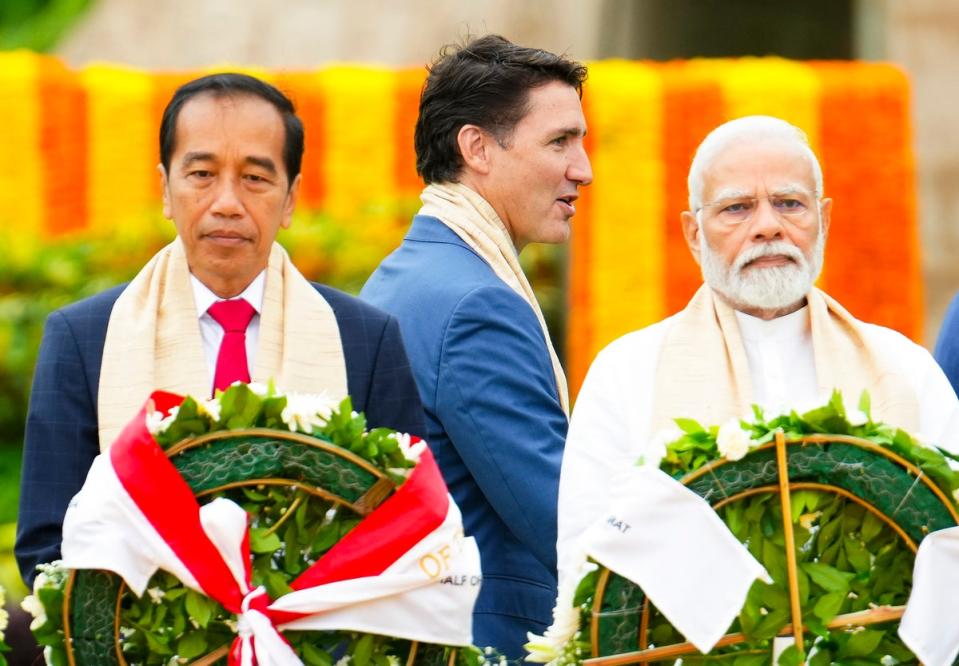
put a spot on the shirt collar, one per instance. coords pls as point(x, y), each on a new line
point(204, 298)
point(791, 326)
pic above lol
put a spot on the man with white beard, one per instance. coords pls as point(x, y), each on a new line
point(756, 332)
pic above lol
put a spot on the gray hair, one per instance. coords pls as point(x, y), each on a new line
point(742, 130)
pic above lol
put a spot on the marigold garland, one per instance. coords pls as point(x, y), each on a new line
point(21, 190)
point(625, 202)
point(85, 147)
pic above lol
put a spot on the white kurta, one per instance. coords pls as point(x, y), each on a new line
point(611, 421)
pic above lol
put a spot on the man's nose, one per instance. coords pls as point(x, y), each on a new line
point(765, 222)
point(579, 170)
point(227, 201)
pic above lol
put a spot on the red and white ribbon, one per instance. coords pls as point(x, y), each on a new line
point(406, 570)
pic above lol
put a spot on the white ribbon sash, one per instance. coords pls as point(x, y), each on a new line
point(670, 542)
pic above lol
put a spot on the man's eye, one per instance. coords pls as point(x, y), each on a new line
point(558, 141)
point(255, 178)
point(201, 173)
point(789, 204)
point(736, 207)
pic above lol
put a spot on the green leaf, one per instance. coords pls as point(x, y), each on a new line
point(363, 650)
point(791, 656)
point(827, 577)
point(774, 559)
point(193, 644)
point(865, 404)
point(751, 660)
point(261, 542)
point(314, 656)
point(157, 643)
point(775, 596)
point(822, 657)
point(199, 608)
point(276, 585)
point(857, 554)
point(828, 533)
point(871, 526)
point(862, 643)
point(828, 605)
point(689, 426)
point(771, 624)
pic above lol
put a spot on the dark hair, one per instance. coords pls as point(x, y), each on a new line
point(485, 82)
point(221, 85)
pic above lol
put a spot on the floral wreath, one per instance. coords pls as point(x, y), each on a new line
point(290, 530)
point(852, 561)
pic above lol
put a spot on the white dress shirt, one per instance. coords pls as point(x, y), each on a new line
point(211, 333)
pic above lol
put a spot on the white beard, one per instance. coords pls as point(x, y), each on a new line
point(769, 288)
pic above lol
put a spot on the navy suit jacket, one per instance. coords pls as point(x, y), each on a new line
point(62, 437)
point(493, 418)
point(947, 346)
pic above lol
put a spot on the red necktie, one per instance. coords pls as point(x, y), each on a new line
point(231, 365)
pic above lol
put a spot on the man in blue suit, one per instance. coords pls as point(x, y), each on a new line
point(499, 142)
point(947, 346)
point(231, 148)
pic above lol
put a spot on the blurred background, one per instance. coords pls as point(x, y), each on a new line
point(340, 244)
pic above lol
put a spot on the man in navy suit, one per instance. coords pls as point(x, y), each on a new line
point(231, 148)
point(499, 143)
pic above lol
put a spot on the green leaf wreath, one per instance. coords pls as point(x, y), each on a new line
point(849, 560)
point(290, 529)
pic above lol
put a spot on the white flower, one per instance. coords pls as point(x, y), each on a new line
point(156, 594)
point(656, 448)
point(548, 648)
point(344, 660)
point(888, 660)
point(31, 604)
point(392, 660)
point(410, 451)
point(306, 411)
point(4, 621)
point(856, 417)
point(157, 423)
point(732, 440)
point(210, 408)
point(261, 390)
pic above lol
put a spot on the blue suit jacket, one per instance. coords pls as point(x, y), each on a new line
point(947, 346)
point(493, 418)
point(61, 435)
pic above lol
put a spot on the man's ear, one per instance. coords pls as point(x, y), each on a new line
point(290, 205)
point(474, 145)
point(691, 231)
point(826, 207)
point(165, 189)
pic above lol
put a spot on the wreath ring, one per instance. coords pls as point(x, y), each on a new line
point(219, 461)
point(893, 489)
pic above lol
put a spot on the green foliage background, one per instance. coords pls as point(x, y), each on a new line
point(37, 24)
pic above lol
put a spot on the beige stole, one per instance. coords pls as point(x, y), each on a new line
point(473, 219)
point(703, 373)
point(153, 339)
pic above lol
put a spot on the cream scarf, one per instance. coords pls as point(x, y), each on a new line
point(703, 373)
point(153, 339)
point(472, 218)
